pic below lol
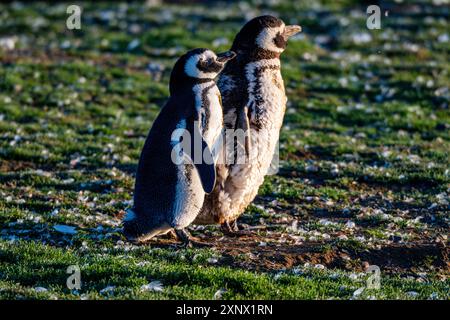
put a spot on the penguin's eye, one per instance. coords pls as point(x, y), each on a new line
point(204, 64)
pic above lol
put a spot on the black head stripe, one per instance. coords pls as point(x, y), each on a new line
point(207, 66)
point(280, 41)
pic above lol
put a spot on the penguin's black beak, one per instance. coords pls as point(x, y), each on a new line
point(225, 56)
point(289, 31)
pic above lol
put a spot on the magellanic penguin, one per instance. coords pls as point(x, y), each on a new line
point(170, 184)
point(254, 100)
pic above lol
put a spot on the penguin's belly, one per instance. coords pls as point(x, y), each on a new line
point(268, 100)
point(189, 191)
point(189, 196)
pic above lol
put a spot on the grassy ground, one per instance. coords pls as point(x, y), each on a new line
point(364, 175)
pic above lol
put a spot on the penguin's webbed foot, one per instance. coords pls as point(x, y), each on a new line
point(232, 229)
point(188, 240)
point(235, 226)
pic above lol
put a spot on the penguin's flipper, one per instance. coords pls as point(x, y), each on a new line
point(206, 169)
point(243, 122)
point(203, 160)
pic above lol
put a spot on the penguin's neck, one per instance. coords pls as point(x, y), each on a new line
point(200, 92)
point(256, 70)
point(247, 56)
point(185, 84)
point(262, 54)
point(259, 57)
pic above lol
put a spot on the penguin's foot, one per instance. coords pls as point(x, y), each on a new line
point(235, 226)
point(188, 240)
point(172, 235)
point(228, 228)
point(232, 229)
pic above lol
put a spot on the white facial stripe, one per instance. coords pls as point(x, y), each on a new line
point(209, 54)
point(265, 38)
point(191, 66)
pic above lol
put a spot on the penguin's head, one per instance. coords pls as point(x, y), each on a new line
point(198, 65)
point(264, 33)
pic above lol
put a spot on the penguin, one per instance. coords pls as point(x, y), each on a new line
point(171, 180)
point(254, 101)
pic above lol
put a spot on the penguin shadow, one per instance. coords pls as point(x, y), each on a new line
point(171, 240)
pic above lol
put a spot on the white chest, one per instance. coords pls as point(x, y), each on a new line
point(267, 102)
point(207, 97)
point(267, 98)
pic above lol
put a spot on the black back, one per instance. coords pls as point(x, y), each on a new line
point(156, 177)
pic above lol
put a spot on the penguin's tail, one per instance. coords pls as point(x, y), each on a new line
point(136, 230)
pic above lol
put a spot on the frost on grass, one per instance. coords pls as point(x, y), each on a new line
point(364, 162)
point(155, 286)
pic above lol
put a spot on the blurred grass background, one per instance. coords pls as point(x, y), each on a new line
point(364, 174)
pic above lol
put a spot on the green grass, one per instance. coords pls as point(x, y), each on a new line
point(365, 141)
point(186, 274)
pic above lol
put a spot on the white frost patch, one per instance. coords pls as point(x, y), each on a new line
point(350, 225)
point(358, 292)
point(212, 260)
point(153, 286)
point(133, 44)
point(360, 38)
point(8, 43)
point(65, 229)
point(219, 293)
point(107, 290)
